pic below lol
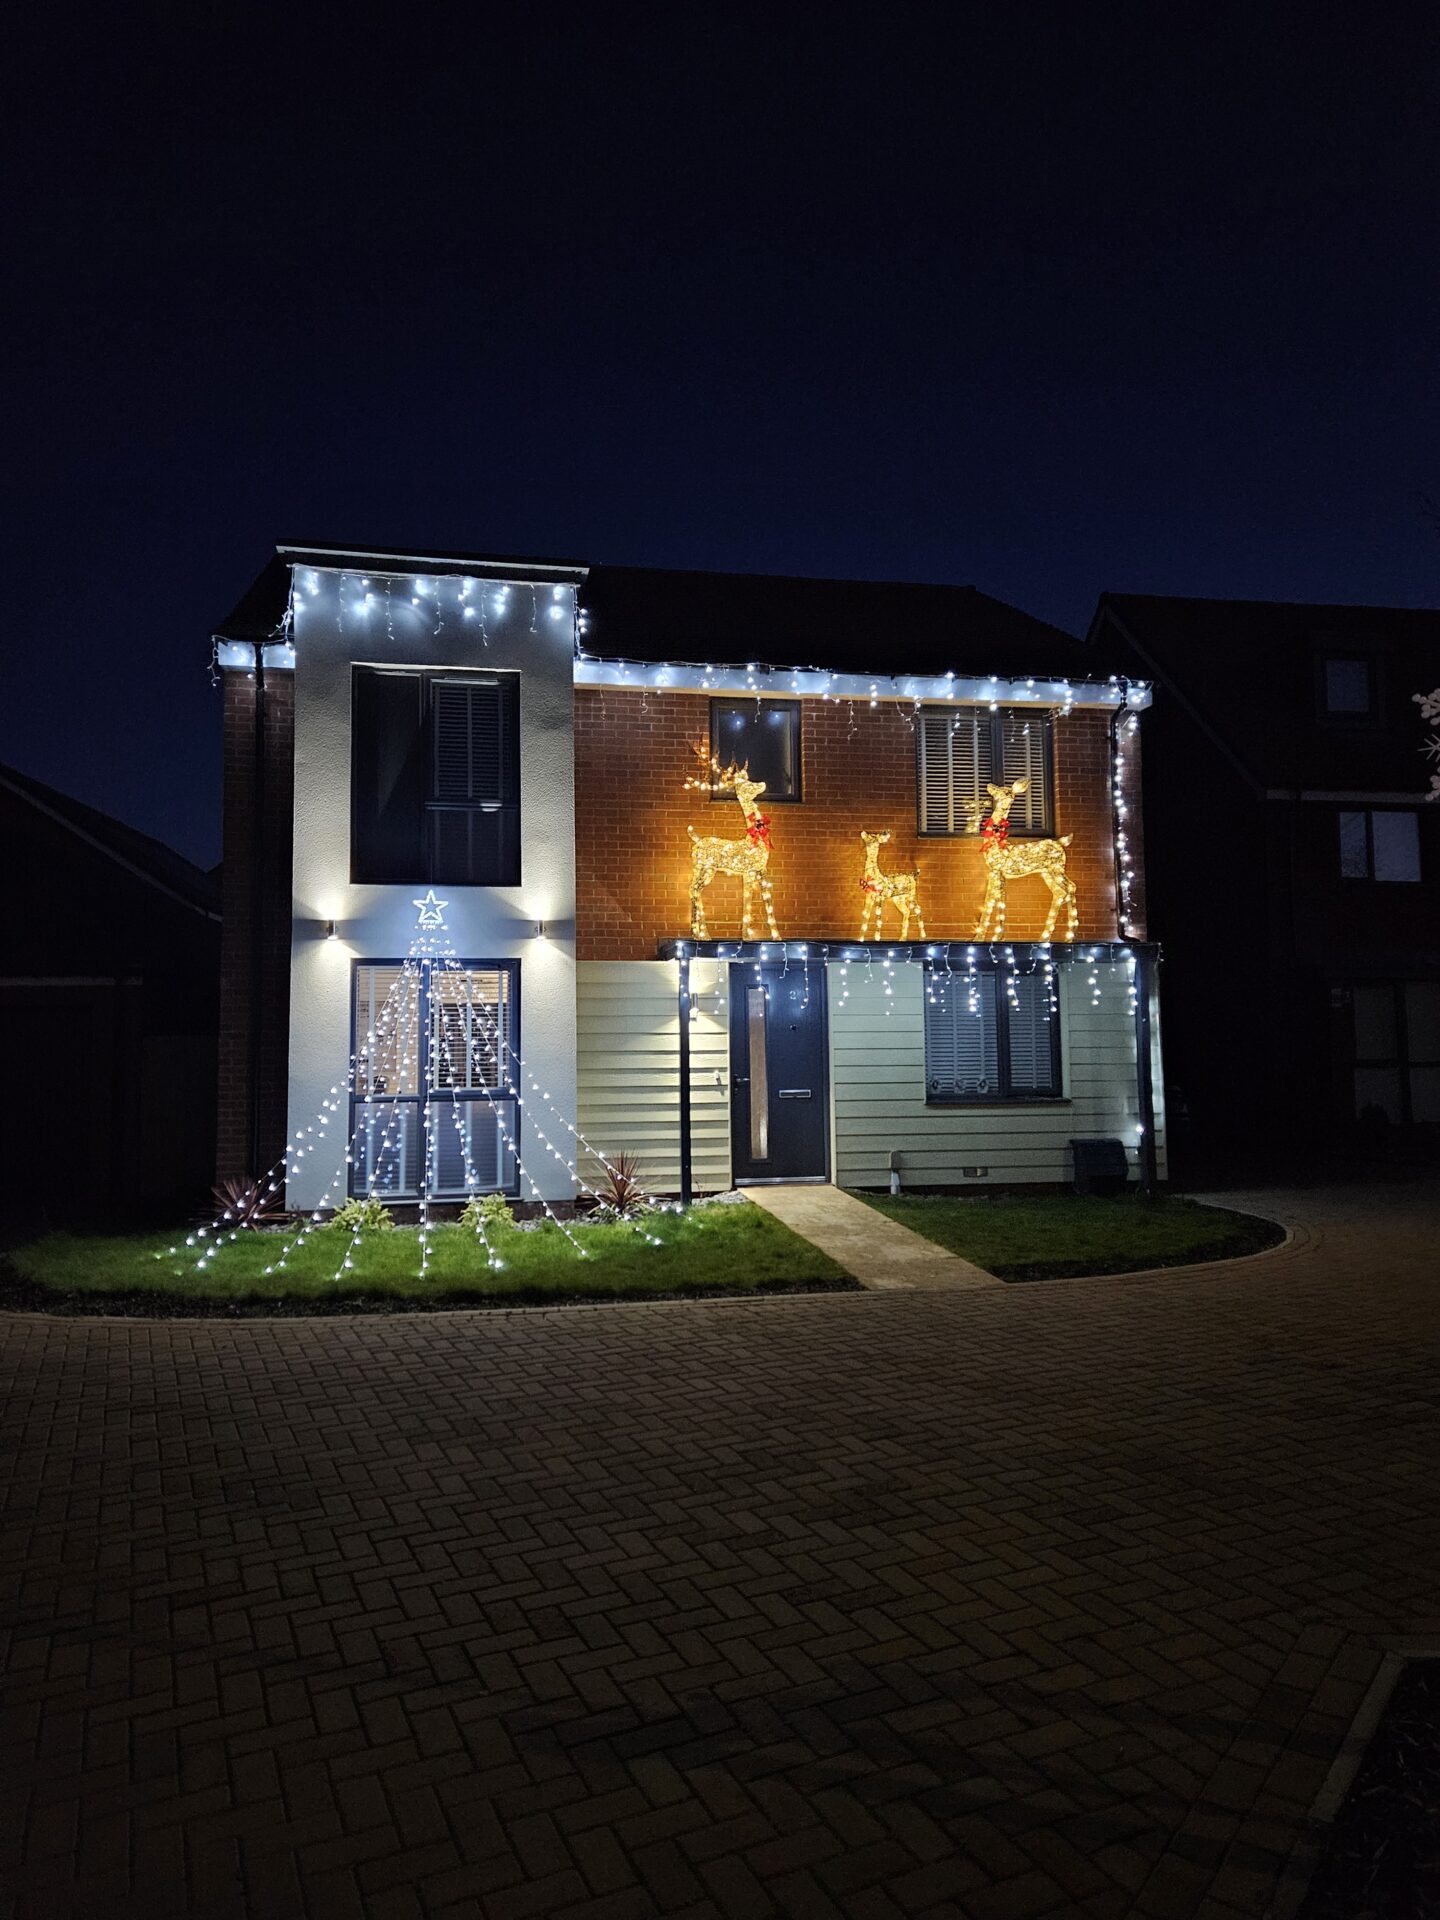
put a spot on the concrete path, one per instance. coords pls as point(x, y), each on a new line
point(878, 1251)
point(984, 1603)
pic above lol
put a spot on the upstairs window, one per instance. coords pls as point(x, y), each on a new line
point(1347, 688)
point(990, 1038)
point(961, 751)
point(435, 778)
point(763, 735)
point(1380, 846)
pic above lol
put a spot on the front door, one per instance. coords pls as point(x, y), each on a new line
point(779, 1112)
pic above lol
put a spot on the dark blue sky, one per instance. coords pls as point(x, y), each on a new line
point(1047, 299)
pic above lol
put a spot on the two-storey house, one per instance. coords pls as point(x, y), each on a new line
point(526, 857)
point(1293, 866)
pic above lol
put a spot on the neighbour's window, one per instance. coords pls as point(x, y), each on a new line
point(1349, 688)
point(435, 777)
point(992, 1034)
point(435, 1048)
point(1397, 1051)
point(763, 736)
point(961, 751)
point(1379, 846)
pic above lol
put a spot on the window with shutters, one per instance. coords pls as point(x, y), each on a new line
point(991, 1034)
point(435, 1104)
point(961, 751)
point(435, 787)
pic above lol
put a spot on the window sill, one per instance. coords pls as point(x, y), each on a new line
point(964, 833)
point(982, 1101)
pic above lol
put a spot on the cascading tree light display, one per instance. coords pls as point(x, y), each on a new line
point(395, 1036)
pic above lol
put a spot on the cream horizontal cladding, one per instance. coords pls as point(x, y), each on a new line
point(628, 1062)
point(877, 1077)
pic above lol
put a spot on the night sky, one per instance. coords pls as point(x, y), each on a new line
point(1046, 299)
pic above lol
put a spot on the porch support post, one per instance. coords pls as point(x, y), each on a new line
point(686, 1168)
point(1144, 1085)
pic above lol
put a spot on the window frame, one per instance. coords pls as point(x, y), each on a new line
point(794, 708)
point(1343, 716)
point(1003, 1095)
point(426, 963)
point(1370, 877)
point(433, 872)
point(997, 718)
point(1402, 1060)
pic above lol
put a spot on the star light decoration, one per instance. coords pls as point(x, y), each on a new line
point(432, 911)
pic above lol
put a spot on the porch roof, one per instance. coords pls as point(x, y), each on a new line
point(1062, 952)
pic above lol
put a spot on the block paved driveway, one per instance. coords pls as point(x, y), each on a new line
point(1054, 1599)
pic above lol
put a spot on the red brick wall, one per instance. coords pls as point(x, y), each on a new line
point(632, 757)
point(257, 826)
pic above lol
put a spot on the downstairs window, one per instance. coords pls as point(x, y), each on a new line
point(990, 1035)
point(436, 1048)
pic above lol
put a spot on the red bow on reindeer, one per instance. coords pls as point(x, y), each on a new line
point(1000, 833)
point(758, 830)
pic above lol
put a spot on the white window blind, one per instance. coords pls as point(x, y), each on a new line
point(962, 751)
point(961, 1051)
point(990, 1037)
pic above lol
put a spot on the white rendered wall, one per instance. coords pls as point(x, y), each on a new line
point(877, 1082)
point(331, 634)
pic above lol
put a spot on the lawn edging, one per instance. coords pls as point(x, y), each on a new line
point(981, 1238)
point(20, 1296)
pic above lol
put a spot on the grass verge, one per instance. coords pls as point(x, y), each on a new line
point(724, 1250)
point(1065, 1236)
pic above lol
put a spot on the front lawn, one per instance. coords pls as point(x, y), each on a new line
point(736, 1249)
point(1060, 1236)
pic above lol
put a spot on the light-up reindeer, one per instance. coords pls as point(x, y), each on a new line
point(1006, 862)
point(898, 888)
point(746, 860)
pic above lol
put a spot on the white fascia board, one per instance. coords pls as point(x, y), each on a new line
point(241, 653)
point(818, 684)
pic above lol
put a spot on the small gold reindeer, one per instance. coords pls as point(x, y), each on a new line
point(898, 888)
point(746, 860)
point(1004, 862)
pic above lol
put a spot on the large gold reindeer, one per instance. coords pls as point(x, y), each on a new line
point(1005, 862)
point(900, 889)
point(746, 859)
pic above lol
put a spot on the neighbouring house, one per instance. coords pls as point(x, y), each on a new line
point(108, 1008)
point(1293, 869)
point(476, 809)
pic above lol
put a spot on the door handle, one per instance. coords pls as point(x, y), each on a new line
point(739, 1080)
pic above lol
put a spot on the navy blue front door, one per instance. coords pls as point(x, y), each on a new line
point(779, 1109)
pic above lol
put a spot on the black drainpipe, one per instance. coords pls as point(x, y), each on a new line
point(257, 897)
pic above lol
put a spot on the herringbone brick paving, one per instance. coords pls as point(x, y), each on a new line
point(1045, 1600)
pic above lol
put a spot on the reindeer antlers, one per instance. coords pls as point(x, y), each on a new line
point(725, 777)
